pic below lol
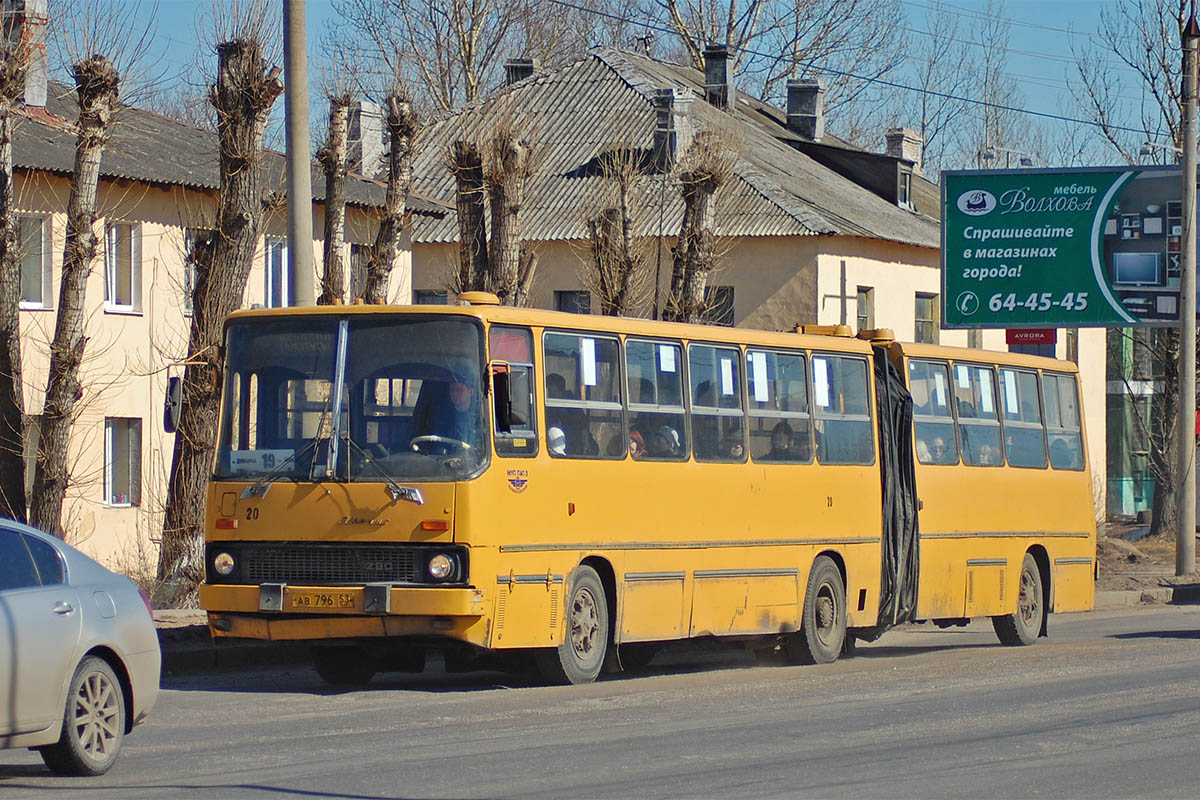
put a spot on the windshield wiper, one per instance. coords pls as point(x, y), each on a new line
point(256, 489)
point(394, 489)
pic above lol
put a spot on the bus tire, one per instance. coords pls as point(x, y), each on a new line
point(823, 625)
point(1023, 625)
point(580, 655)
point(344, 666)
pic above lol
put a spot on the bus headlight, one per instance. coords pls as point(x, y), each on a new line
point(223, 563)
point(441, 567)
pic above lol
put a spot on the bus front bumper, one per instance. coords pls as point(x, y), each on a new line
point(281, 612)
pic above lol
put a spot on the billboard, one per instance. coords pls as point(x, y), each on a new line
point(1050, 248)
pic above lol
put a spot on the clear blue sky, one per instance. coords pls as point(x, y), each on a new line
point(1039, 56)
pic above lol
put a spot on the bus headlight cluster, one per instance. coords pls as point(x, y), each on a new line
point(224, 563)
point(442, 567)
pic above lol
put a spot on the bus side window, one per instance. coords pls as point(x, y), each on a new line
point(933, 423)
point(842, 409)
point(780, 422)
point(1024, 436)
point(718, 422)
point(978, 420)
point(514, 346)
point(656, 415)
point(583, 395)
point(1062, 421)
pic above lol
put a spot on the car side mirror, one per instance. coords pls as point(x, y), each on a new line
point(173, 405)
point(502, 396)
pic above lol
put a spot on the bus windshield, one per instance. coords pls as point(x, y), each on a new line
point(408, 389)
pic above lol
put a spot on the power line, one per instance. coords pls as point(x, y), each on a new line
point(868, 79)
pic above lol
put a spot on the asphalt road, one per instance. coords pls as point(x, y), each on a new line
point(1109, 706)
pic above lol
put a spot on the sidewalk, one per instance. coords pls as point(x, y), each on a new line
point(187, 646)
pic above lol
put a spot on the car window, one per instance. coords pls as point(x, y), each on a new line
point(16, 565)
point(46, 559)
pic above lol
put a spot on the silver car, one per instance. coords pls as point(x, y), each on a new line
point(79, 657)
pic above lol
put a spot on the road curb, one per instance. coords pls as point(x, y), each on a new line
point(1176, 595)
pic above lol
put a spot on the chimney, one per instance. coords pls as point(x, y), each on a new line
point(905, 143)
point(30, 21)
point(518, 69)
point(718, 77)
point(366, 138)
point(805, 108)
point(672, 128)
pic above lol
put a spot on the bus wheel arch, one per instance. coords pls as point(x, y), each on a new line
point(1028, 620)
point(587, 630)
point(823, 629)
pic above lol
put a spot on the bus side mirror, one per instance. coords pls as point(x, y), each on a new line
point(502, 397)
point(173, 404)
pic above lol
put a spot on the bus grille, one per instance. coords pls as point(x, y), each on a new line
point(344, 563)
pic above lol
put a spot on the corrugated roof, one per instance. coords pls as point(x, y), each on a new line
point(151, 148)
point(602, 103)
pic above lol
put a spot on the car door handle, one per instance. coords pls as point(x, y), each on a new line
point(63, 607)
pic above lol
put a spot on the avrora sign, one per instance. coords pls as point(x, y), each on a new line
point(1044, 248)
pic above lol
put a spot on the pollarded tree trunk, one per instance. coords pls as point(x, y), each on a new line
point(96, 85)
point(333, 159)
point(466, 164)
point(12, 404)
point(706, 166)
point(247, 86)
point(506, 178)
point(402, 132)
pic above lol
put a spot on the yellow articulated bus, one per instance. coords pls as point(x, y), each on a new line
point(485, 480)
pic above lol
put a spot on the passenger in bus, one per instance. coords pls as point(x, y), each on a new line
point(940, 453)
point(556, 386)
point(637, 444)
point(556, 441)
point(665, 443)
point(781, 444)
point(733, 449)
point(987, 456)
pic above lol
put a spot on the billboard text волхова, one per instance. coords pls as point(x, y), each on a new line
point(1050, 248)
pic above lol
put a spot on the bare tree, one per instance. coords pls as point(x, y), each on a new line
point(402, 126)
point(246, 88)
point(14, 62)
point(1143, 36)
point(704, 168)
point(97, 85)
point(616, 266)
point(333, 160)
point(774, 40)
point(501, 172)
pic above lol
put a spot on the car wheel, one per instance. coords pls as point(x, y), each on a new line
point(93, 722)
point(823, 625)
point(581, 655)
point(344, 666)
point(1023, 625)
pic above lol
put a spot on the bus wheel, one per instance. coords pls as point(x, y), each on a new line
point(580, 656)
point(344, 666)
point(823, 626)
point(1023, 626)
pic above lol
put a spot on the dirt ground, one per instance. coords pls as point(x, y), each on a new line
point(1147, 563)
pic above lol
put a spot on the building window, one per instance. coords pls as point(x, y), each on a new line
point(573, 302)
point(718, 304)
point(34, 235)
point(431, 297)
point(279, 274)
point(122, 267)
point(866, 308)
point(122, 461)
point(192, 239)
point(904, 190)
point(926, 319)
point(360, 255)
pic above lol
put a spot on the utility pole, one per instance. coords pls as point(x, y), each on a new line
point(299, 160)
point(1185, 543)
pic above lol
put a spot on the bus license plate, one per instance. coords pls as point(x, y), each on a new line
point(321, 600)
